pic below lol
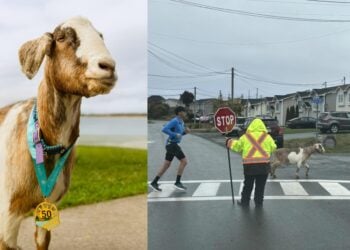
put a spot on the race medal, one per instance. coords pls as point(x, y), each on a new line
point(46, 215)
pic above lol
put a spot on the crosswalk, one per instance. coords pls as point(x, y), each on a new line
point(210, 190)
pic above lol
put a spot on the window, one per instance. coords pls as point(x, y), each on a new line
point(277, 106)
point(341, 98)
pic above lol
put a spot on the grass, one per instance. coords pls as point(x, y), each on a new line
point(342, 143)
point(298, 130)
point(105, 173)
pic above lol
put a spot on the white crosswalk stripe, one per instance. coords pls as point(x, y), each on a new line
point(293, 188)
point(335, 188)
point(207, 189)
point(202, 190)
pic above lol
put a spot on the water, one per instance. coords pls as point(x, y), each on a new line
point(114, 131)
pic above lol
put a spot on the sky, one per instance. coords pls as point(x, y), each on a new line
point(124, 27)
point(195, 43)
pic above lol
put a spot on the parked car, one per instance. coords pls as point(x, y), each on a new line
point(333, 121)
point(272, 126)
point(301, 122)
point(238, 126)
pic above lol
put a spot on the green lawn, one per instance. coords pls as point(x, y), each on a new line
point(104, 173)
point(342, 143)
point(298, 130)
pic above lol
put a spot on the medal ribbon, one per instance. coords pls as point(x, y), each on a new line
point(36, 150)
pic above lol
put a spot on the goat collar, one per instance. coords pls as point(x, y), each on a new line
point(38, 139)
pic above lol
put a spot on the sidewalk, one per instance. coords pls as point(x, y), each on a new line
point(117, 224)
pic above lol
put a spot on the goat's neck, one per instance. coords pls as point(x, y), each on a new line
point(309, 150)
point(59, 115)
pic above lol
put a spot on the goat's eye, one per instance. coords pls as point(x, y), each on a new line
point(101, 35)
point(60, 37)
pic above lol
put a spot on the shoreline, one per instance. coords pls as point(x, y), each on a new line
point(137, 142)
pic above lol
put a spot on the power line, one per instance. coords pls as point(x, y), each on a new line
point(185, 59)
point(251, 44)
point(184, 77)
point(327, 1)
point(259, 15)
point(170, 64)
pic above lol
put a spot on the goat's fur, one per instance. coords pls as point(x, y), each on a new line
point(285, 156)
point(68, 76)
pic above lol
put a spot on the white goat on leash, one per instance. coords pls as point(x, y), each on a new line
point(285, 156)
point(77, 64)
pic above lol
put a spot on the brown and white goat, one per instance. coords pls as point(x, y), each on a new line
point(285, 156)
point(77, 64)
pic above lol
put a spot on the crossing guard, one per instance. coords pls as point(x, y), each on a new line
point(256, 146)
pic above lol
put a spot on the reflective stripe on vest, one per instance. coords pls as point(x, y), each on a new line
point(256, 146)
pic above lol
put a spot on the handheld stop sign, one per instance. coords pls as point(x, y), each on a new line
point(224, 121)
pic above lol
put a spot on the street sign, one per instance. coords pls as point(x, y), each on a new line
point(224, 119)
point(317, 100)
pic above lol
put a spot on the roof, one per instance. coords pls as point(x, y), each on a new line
point(303, 93)
point(280, 97)
point(325, 90)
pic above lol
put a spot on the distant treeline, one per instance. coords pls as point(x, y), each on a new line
point(116, 115)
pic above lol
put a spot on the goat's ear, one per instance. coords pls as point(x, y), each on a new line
point(32, 53)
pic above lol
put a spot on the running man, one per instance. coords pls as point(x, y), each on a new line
point(175, 129)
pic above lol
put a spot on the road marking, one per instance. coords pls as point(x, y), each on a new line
point(167, 190)
point(293, 188)
point(269, 180)
point(207, 189)
point(223, 198)
point(335, 188)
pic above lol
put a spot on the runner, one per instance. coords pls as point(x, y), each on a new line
point(175, 129)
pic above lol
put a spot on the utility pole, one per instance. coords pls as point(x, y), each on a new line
point(257, 93)
point(248, 94)
point(344, 80)
point(194, 106)
point(232, 83)
point(325, 84)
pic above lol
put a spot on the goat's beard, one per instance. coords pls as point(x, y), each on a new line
point(95, 87)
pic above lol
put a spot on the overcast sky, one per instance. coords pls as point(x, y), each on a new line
point(188, 44)
point(124, 27)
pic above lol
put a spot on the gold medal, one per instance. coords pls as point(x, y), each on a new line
point(46, 215)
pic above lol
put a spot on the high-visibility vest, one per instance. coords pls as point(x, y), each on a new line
point(256, 154)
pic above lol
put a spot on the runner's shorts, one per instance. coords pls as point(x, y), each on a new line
point(173, 150)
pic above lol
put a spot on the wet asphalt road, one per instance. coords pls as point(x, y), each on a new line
point(180, 221)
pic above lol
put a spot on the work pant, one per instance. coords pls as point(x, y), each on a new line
point(260, 181)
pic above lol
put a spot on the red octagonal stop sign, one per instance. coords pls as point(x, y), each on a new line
point(224, 119)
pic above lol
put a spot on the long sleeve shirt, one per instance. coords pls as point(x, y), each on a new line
point(175, 129)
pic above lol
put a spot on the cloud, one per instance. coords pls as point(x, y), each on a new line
point(124, 25)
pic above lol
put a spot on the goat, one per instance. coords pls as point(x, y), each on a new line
point(77, 65)
point(287, 156)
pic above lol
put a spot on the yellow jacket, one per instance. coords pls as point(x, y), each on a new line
point(256, 145)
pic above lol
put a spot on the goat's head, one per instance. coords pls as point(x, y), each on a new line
point(77, 60)
point(319, 148)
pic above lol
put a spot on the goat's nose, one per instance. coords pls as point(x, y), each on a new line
point(108, 65)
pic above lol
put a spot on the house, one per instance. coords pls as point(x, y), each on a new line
point(343, 98)
point(256, 107)
point(203, 106)
point(282, 103)
point(173, 102)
